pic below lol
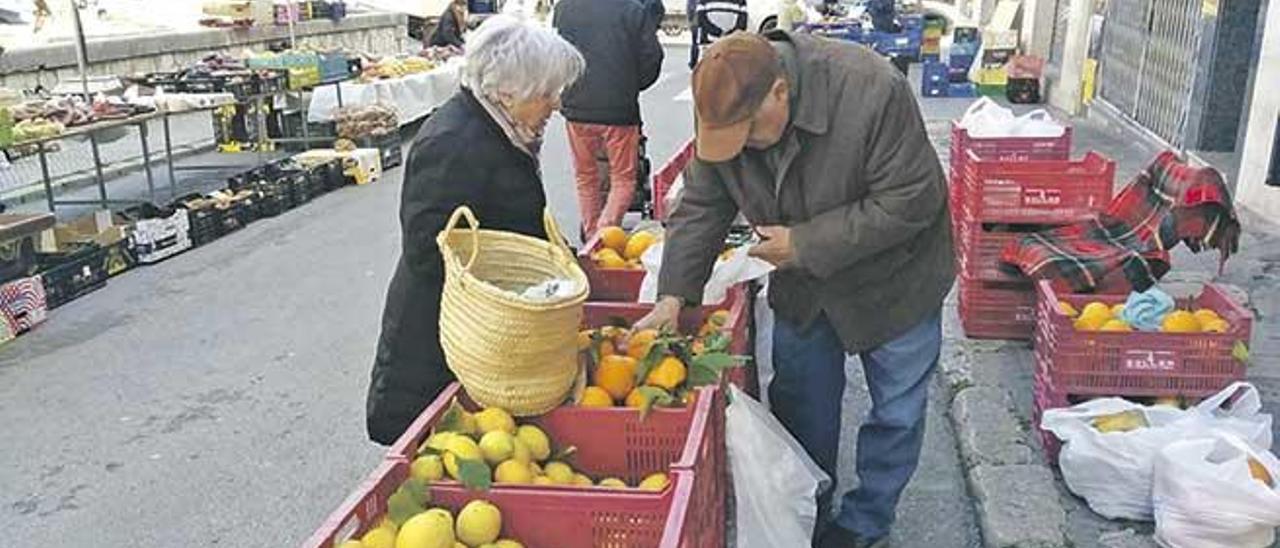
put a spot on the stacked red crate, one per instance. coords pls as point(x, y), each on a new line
point(1002, 188)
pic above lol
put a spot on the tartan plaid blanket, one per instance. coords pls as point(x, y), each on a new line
point(1167, 203)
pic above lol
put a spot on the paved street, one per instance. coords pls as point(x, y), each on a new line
point(218, 398)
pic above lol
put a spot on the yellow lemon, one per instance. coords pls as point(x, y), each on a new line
point(521, 451)
point(595, 397)
point(1216, 325)
point(427, 468)
point(513, 472)
point(353, 543)
point(1066, 308)
point(479, 522)
point(430, 529)
point(559, 472)
point(582, 480)
point(614, 238)
point(379, 537)
point(655, 482)
point(1115, 326)
point(609, 258)
point(613, 483)
point(497, 446)
point(1091, 323)
point(1096, 310)
point(638, 244)
point(1205, 315)
point(543, 480)
point(493, 418)
point(537, 440)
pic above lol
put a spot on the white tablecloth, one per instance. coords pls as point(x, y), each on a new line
point(413, 96)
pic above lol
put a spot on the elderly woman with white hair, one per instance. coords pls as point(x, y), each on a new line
point(481, 150)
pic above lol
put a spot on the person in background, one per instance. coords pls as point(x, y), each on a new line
point(480, 150)
point(453, 22)
point(821, 145)
point(620, 43)
point(884, 16)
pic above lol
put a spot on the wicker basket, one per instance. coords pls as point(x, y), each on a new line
point(507, 351)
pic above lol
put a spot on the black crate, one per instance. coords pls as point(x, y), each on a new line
point(207, 222)
point(1025, 91)
point(388, 146)
point(17, 258)
point(119, 258)
point(336, 174)
point(70, 274)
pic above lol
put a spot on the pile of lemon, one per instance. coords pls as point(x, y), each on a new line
point(1098, 316)
point(513, 455)
point(477, 526)
point(618, 250)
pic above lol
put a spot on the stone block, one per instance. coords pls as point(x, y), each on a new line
point(1018, 506)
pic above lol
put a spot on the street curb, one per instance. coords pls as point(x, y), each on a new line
point(1014, 492)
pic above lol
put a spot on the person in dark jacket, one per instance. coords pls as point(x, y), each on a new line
point(620, 44)
point(451, 26)
point(480, 149)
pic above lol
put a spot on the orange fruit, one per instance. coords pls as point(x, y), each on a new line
point(640, 342)
point(1180, 321)
point(635, 399)
point(1204, 315)
point(608, 258)
point(614, 238)
point(1066, 308)
point(668, 374)
point(1115, 326)
point(1216, 325)
point(616, 375)
point(1091, 323)
point(607, 349)
point(595, 397)
point(637, 244)
point(1096, 310)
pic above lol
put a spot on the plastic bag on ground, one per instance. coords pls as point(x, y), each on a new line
point(1113, 471)
point(728, 271)
point(1206, 497)
point(775, 482)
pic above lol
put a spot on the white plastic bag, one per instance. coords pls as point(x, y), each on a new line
point(727, 272)
point(987, 119)
point(1205, 496)
point(1113, 471)
point(775, 482)
point(764, 342)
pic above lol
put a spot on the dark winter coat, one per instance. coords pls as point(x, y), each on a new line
point(448, 31)
point(459, 157)
point(620, 44)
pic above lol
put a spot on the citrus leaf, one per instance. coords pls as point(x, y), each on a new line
point(717, 342)
point(401, 507)
point(453, 419)
point(656, 353)
point(474, 474)
point(705, 369)
point(417, 489)
point(1240, 352)
point(653, 396)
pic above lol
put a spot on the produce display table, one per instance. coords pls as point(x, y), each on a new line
point(413, 96)
point(19, 225)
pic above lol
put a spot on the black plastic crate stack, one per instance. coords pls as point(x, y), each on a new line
point(69, 274)
point(17, 258)
point(207, 223)
point(388, 146)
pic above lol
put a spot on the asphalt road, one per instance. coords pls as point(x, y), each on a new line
point(217, 399)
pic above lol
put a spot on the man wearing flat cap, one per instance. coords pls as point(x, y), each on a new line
point(821, 146)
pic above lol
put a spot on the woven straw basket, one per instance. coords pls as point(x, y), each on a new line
point(508, 351)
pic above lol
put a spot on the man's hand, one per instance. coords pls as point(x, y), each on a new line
point(776, 246)
point(664, 317)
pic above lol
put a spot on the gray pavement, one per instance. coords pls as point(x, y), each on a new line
point(218, 398)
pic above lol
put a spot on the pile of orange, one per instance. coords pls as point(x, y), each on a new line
point(1098, 316)
point(618, 250)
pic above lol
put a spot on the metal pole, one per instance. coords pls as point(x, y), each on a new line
point(293, 14)
point(82, 50)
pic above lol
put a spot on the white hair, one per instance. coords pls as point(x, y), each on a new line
point(516, 58)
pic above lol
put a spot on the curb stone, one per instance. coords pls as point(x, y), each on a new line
point(1018, 506)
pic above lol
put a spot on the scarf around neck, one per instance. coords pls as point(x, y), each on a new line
point(527, 139)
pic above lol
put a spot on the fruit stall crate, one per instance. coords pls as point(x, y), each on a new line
point(616, 442)
point(1033, 191)
point(157, 233)
point(68, 275)
point(537, 517)
point(1006, 149)
point(665, 178)
point(737, 301)
point(388, 146)
point(1141, 363)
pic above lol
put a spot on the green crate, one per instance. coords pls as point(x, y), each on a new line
point(991, 90)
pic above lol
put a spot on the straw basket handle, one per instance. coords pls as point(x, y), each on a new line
point(553, 232)
point(458, 214)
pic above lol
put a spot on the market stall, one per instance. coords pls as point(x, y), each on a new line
point(413, 96)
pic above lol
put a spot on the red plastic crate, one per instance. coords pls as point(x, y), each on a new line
point(979, 247)
point(1042, 191)
point(1137, 363)
point(738, 328)
point(994, 310)
point(1047, 397)
point(609, 284)
point(539, 517)
point(666, 177)
point(1008, 149)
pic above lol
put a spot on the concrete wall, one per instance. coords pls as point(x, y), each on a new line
point(24, 68)
point(1252, 191)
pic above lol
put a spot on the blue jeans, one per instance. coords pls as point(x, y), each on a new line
point(806, 395)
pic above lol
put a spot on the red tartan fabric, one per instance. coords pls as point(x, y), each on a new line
point(1167, 203)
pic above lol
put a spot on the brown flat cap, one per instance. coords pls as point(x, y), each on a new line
point(729, 84)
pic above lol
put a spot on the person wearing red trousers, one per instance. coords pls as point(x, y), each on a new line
point(619, 40)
